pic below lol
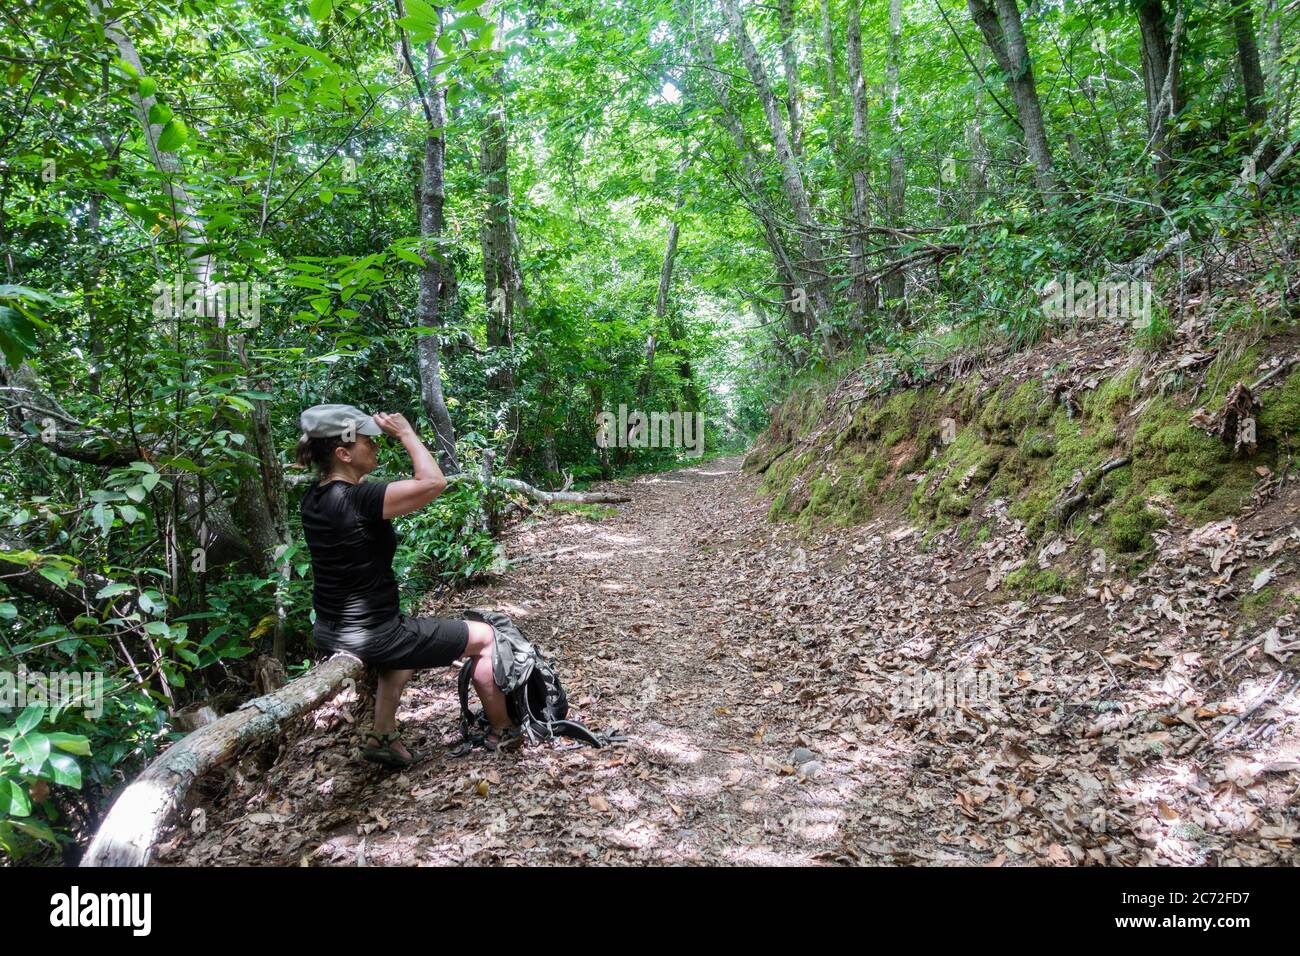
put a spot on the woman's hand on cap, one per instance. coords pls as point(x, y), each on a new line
point(394, 424)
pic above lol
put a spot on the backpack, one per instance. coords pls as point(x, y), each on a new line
point(535, 698)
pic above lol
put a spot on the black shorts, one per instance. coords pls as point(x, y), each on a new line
point(409, 643)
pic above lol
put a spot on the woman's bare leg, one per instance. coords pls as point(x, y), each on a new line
point(389, 695)
point(479, 647)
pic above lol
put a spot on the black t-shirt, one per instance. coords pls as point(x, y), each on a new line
point(352, 549)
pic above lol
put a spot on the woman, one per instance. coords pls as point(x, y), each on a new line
point(348, 526)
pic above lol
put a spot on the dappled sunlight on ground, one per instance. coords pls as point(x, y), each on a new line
point(674, 746)
point(761, 679)
point(764, 856)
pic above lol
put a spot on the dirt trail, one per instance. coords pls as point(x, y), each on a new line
point(720, 643)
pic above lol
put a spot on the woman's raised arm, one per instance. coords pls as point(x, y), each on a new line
point(411, 494)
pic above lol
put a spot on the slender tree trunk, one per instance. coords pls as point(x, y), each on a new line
point(597, 395)
point(828, 43)
point(1252, 76)
point(1273, 44)
point(790, 60)
point(666, 268)
point(897, 172)
point(814, 291)
point(702, 48)
point(550, 454)
point(90, 290)
point(646, 381)
point(255, 507)
point(1004, 33)
point(690, 390)
point(1159, 69)
point(977, 176)
point(647, 372)
point(192, 234)
point(127, 835)
point(271, 512)
point(864, 292)
point(666, 316)
point(501, 277)
point(436, 275)
point(95, 255)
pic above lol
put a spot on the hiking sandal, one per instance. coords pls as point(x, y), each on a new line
point(510, 739)
point(507, 740)
point(386, 754)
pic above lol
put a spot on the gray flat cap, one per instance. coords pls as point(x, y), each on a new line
point(330, 421)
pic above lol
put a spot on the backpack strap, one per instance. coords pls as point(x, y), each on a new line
point(529, 725)
point(575, 731)
point(462, 688)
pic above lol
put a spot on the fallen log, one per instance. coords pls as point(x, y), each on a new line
point(135, 821)
point(565, 497)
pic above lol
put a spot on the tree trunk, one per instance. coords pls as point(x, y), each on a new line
point(190, 227)
point(828, 43)
point(894, 281)
point(1159, 68)
point(95, 257)
point(501, 277)
point(428, 306)
point(647, 371)
point(790, 60)
point(436, 274)
point(685, 372)
point(977, 176)
point(661, 298)
point(257, 503)
point(1004, 33)
point(702, 48)
point(1252, 76)
point(498, 278)
point(814, 287)
point(864, 293)
point(1273, 28)
point(565, 497)
point(597, 395)
point(663, 314)
point(271, 498)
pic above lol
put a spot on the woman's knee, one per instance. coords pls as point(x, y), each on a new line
point(483, 675)
point(480, 638)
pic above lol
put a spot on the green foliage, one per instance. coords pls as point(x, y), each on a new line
point(35, 757)
point(446, 540)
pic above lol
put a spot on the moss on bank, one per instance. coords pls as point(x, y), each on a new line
point(1030, 580)
point(945, 454)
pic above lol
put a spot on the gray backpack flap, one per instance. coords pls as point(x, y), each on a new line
point(535, 698)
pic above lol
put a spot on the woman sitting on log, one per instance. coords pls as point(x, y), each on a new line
point(347, 523)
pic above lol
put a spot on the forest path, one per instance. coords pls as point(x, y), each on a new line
point(719, 643)
point(648, 616)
